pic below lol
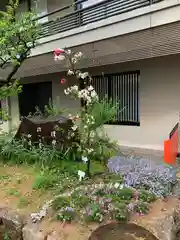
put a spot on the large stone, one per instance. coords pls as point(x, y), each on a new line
point(11, 223)
point(32, 232)
point(163, 220)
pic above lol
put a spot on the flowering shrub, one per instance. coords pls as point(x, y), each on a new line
point(144, 173)
point(93, 114)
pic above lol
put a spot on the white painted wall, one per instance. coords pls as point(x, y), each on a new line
point(159, 100)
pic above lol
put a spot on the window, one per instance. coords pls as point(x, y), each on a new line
point(122, 88)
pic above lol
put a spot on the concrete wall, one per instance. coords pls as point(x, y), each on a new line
point(159, 100)
point(155, 15)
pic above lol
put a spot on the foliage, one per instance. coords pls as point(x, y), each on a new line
point(18, 35)
point(120, 213)
point(146, 196)
point(94, 213)
point(141, 208)
point(45, 180)
point(50, 110)
point(60, 202)
point(17, 152)
point(66, 214)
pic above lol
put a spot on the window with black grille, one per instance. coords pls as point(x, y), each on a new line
point(122, 88)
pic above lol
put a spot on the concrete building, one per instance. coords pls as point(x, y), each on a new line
point(135, 43)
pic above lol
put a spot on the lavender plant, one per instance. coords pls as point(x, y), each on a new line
point(144, 173)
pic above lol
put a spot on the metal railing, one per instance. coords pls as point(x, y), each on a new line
point(82, 16)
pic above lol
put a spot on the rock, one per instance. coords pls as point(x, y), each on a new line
point(52, 236)
point(164, 225)
point(32, 232)
point(11, 224)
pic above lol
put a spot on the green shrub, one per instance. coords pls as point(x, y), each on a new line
point(120, 212)
point(45, 181)
point(146, 196)
point(79, 200)
point(141, 208)
point(125, 193)
point(60, 202)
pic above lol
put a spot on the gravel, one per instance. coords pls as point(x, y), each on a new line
point(145, 173)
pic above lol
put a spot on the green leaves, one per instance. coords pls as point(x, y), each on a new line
point(18, 35)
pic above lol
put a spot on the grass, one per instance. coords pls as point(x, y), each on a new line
point(26, 187)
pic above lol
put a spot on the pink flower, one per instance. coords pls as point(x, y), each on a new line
point(58, 52)
point(63, 81)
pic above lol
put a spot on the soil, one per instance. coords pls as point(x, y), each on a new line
point(16, 189)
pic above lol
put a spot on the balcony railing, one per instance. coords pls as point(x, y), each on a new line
point(83, 16)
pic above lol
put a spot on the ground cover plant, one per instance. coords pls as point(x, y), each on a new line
point(100, 202)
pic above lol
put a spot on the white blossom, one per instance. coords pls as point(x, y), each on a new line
point(29, 135)
point(90, 88)
point(74, 128)
point(93, 94)
point(121, 186)
point(40, 145)
point(70, 72)
point(59, 57)
point(78, 55)
point(83, 75)
point(53, 134)
point(84, 159)
point(89, 150)
point(74, 60)
point(69, 51)
point(53, 142)
point(39, 129)
point(116, 185)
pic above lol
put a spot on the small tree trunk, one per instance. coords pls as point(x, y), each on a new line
point(88, 172)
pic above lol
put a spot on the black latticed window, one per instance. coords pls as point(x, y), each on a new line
point(122, 88)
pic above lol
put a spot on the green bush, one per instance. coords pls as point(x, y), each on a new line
point(146, 196)
point(60, 202)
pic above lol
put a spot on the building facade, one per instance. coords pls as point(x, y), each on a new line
point(131, 47)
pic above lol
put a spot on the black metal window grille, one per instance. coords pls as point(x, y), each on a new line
point(122, 88)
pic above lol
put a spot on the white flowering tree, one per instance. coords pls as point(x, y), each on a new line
point(89, 121)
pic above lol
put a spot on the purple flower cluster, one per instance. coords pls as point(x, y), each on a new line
point(146, 173)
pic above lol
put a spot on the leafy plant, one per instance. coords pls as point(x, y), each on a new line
point(93, 213)
point(23, 202)
point(125, 193)
point(146, 196)
point(79, 200)
point(18, 35)
point(120, 213)
point(14, 192)
point(66, 214)
point(45, 181)
point(60, 202)
point(141, 208)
